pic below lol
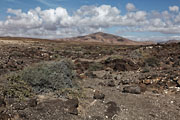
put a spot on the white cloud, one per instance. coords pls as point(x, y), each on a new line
point(15, 12)
point(177, 18)
point(140, 15)
point(55, 23)
point(130, 7)
point(59, 23)
point(157, 22)
point(173, 8)
point(153, 38)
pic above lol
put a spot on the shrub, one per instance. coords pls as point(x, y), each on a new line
point(43, 77)
point(15, 87)
point(152, 61)
point(50, 76)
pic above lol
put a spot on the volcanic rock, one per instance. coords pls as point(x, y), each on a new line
point(111, 83)
point(33, 102)
point(98, 95)
point(112, 109)
point(132, 89)
point(72, 105)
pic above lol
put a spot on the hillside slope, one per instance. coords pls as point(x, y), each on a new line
point(105, 38)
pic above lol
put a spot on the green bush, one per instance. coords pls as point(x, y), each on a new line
point(43, 77)
point(152, 62)
point(15, 87)
point(50, 76)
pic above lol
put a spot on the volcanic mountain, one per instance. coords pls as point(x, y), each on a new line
point(105, 38)
point(170, 41)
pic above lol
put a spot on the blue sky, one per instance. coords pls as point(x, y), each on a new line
point(71, 5)
point(134, 19)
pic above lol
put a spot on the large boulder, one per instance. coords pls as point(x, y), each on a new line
point(132, 89)
point(120, 64)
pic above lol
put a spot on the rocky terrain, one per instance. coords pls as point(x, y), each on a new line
point(60, 80)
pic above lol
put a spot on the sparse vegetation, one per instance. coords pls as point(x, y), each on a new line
point(72, 93)
point(43, 73)
point(49, 76)
point(152, 61)
point(43, 77)
point(15, 87)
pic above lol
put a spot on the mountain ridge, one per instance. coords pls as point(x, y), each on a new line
point(105, 38)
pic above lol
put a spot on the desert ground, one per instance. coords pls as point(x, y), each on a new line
point(58, 80)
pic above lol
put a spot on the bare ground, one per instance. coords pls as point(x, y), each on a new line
point(115, 82)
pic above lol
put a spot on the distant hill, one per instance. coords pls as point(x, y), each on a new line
point(170, 41)
point(99, 37)
point(105, 38)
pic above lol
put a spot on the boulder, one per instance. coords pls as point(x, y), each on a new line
point(112, 109)
point(132, 89)
point(2, 102)
point(111, 83)
point(72, 105)
point(98, 95)
point(33, 102)
point(118, 64)
point(2, 105)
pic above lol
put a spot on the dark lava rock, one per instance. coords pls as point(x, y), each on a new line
point(101, 84)
point(23, 115)
point(73, 111)
point(155, 91)
point(72, 102)
point(132, 89)
point(111, 83)
point(112, 109)
point(98, 95)
point(4, 117)
point(2, 105)
point(72, 105)
point(33, 102)
point(125, 82)
point(2, 102)
point(118, 64)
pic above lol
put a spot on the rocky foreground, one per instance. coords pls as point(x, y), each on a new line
point(50, 80)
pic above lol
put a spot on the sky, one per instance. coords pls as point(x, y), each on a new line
point(140, 20)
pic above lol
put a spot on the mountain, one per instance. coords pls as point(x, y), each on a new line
point(104, 38)
point(170, 41)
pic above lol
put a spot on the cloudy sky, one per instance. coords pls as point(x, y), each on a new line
point(139, 20)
